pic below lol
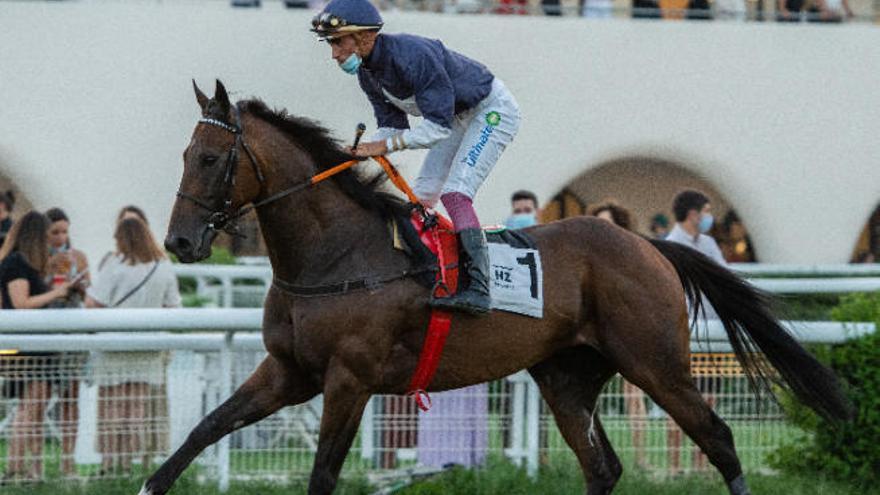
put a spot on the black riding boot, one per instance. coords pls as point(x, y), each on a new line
point(473, 299)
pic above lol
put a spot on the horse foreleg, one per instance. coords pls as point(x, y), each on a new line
point(272, 386)
point(344, 401)
point(570, 382)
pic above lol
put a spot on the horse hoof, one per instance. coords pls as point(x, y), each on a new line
point(145, 491)
point(738, 486)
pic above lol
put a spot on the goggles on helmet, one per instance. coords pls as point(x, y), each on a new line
point(329, 26)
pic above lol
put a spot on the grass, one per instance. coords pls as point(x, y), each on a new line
point(499, 479)
point(507, 480)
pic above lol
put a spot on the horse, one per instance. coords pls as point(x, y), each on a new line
point(614, 303)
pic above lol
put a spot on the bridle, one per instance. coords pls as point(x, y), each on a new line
point(225, 219)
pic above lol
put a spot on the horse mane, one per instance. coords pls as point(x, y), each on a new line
point(327, 152)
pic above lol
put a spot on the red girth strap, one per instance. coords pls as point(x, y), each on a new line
point(438, 328)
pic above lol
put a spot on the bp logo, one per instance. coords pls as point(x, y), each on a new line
point(493, 118)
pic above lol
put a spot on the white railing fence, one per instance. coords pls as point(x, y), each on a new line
point(140, 380)
point(245, 285)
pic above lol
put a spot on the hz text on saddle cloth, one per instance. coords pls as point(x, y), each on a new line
point(516, 282)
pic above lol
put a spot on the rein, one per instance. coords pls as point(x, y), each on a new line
point(225, 219)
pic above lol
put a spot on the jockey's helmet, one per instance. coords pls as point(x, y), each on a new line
point(341, 17)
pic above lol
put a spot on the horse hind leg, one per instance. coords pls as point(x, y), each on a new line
point(570, 382)
point(686, 406)
point(665, 376)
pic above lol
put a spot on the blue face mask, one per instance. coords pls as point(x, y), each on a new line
point(351, 64)
point(706, 222)
point(521, 221)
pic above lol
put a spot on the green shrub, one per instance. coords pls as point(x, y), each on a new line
point(848, 451)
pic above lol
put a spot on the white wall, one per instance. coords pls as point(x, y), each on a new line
point(96, 106)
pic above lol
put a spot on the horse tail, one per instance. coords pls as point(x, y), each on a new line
point(752, 329)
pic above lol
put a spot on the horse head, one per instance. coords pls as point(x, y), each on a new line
point(216, 182)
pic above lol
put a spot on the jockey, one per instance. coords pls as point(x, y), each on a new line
point(469, 117)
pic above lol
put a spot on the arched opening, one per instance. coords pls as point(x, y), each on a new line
point(646, 186)
point(867, 248)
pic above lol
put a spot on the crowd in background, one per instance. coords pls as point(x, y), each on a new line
point(825, 11)
point(40, 268)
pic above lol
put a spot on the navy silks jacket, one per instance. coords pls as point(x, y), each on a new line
point(443, 82)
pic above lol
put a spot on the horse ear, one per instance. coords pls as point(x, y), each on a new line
point(222, 99)
point(200, 97)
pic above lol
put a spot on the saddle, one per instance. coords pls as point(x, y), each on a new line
point(430, 237)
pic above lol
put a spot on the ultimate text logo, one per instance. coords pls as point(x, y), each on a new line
point(492, 121)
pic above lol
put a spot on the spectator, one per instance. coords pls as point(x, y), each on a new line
point(830, 11)
point(613, 212)
point(23, 260)
point(398, 428)
point(128, 211)
point(551, 7)
point(634, 398)
point(66, 264)
point(455, 431)
point(659, 226)
point(7, 203)
point(132, 211)
point(517, 7)
point(730, 9)
point(131, 408)
point(692, 220)
point(597, 9)
point(734, 241)
point(789, 10)
point(524, 210)
point(699, 10)
point(646, 9)
point(865, 257)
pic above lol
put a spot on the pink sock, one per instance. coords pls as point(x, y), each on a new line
point(461, 211)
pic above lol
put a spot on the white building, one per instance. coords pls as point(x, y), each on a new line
point(96, 107)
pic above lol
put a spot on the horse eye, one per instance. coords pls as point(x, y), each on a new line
point(209, 160)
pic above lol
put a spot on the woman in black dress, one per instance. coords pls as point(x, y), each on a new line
point(23, 260)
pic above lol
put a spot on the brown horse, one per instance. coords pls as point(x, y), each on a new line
point(614, 302)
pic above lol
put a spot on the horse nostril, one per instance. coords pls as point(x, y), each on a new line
point(178, 245)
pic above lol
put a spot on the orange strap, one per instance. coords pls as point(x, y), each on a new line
point(396, 179)
point(330, 172)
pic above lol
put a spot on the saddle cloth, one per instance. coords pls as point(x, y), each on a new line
point(516, 276)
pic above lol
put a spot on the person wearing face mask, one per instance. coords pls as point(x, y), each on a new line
point(693, 220)
point(524, 210)
point(469, 118)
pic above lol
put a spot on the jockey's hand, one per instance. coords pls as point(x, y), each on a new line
point(373, 148)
